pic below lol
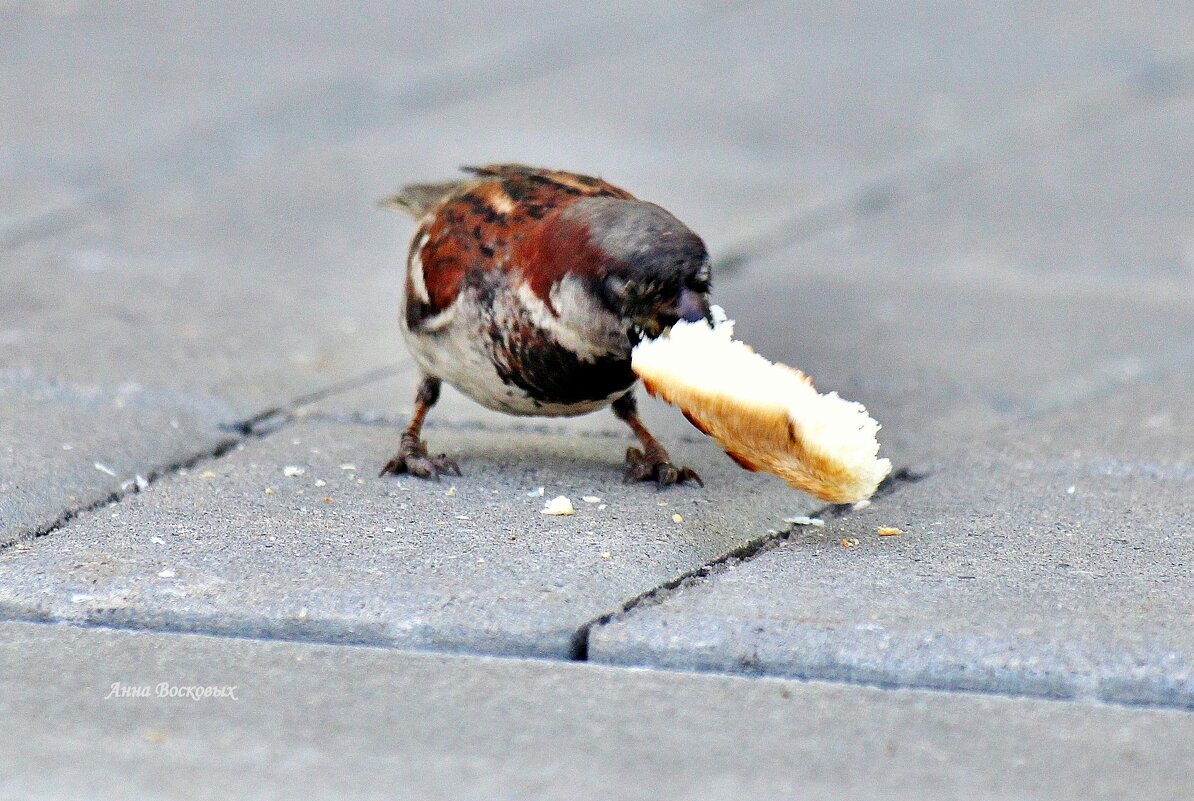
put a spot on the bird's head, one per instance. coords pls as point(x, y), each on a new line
point(655, 269)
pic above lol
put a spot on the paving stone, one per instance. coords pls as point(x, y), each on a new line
point(169, 93)
point(65, 447)
point(198, 258)
point(255, 272)
point(1048, 560)
point(961, 310)
point(777, 110)
point(337, 554)
point(312, 721)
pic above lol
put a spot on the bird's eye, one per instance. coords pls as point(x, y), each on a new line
point(614, 291)
point(615, 286)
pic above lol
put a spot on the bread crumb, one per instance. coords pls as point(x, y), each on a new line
point(605, 555)
point(591, 499)
point(559, 505)
point(804, 520)
point(451, 493)
point(167, 574)
point(889, 531)
point(269, 490)
point(677, 518)
point(850, 543)
point(319, 482)
point(290, 470)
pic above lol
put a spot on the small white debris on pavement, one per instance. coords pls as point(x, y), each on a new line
point(103, 468)
point(157, 540)
point(292, 470)
point(348, 466)
point(167, 574)
point(559, 505)
point(319, 482)
point(451, 493)
point(805, 520)
point(677, 518)
point(591, 499)
point(536, 493)
point(1071, 489)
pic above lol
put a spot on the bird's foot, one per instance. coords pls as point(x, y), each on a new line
point(412, 458)
point(656, 466)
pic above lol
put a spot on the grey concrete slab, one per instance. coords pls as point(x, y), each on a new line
point(1050, 559)
point(209, 283)
point(315, 721)
point(270, 276)
point(335, 553)
point(779, 110)
point(65, 447)
point(1022, 288)
point(104, 98)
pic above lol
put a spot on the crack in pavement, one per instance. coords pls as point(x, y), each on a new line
point(746, 552)
point(256, 426)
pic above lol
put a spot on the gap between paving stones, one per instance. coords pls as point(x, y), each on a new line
point(740, 555)
point(280, 420)
point(257, 426)
point(1081, 113)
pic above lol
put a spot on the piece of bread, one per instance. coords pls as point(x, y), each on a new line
point(767, 416)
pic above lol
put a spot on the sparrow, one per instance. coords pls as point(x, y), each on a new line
point(527, 289)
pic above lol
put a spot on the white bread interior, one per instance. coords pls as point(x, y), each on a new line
point(767, 416)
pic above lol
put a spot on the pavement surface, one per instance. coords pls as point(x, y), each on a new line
point(974, 220)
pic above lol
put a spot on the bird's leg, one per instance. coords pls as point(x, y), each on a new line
point(652, 462)
point(412, 452)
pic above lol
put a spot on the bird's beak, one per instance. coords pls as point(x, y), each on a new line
point(693, 306)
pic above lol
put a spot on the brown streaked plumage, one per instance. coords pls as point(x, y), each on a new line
point(527, 288)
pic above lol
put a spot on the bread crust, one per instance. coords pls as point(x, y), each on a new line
point(761, 434)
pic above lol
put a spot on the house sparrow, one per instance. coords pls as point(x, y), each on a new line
point(526, 289)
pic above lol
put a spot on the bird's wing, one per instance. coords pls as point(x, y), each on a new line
point(569, 182)
point(474, 226)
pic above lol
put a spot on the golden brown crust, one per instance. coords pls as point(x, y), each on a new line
point(761, 437)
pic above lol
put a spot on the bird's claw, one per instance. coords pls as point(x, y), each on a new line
point(413, 459)
point(657, 468)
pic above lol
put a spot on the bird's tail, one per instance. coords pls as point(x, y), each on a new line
point(418, 199)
